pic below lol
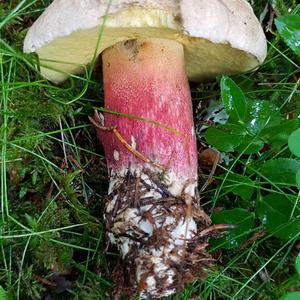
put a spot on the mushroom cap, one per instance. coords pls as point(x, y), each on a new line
point(219, 36)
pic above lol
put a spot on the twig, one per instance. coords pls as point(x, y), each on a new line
point(125, 144)
point(103, 128)
point(211, 174)
point(215, 228)
point(44, 281)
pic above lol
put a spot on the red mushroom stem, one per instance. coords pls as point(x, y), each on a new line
point(152, 212)
point(148, 80)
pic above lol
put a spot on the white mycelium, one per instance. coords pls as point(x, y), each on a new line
point(144, 223)
point(116, 155)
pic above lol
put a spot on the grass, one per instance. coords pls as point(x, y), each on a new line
point(54, 180)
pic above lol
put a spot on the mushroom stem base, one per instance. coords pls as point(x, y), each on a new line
point(162, 238)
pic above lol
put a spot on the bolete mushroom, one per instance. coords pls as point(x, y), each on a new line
point(150, 48)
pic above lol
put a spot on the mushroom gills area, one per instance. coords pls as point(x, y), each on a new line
point(152, 211)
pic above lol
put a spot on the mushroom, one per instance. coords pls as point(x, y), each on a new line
point(150, 48)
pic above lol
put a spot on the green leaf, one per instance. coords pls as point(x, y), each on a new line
point(250, 145)
point(294, 142)
point(32, 222)
point(23, 191)
point(239, 185)
point(278, 135)
point(225, 137)
point(297, 264)
point(289, 29)
point(234, 237)
point(281, 171)
point(291, 296)
point(233, 99)
point(34, 177)
point(3, 294)
point(262, 114)
point(275, 212)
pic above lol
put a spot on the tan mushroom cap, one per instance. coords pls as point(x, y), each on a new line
point(219, 36)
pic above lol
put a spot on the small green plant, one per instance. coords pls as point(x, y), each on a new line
point(257, 138)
